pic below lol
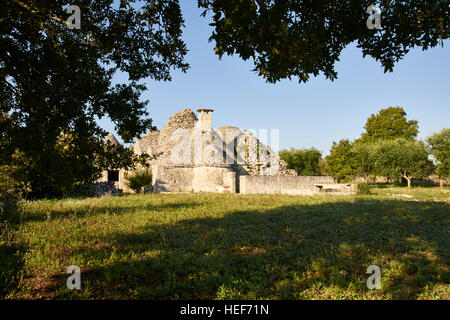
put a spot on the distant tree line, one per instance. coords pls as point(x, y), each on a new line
point(388, 148)
point(306, 162)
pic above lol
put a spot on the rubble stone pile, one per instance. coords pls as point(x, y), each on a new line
point(105, 188)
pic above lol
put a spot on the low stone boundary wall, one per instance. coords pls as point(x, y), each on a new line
point(194, 179)
point(293, 185)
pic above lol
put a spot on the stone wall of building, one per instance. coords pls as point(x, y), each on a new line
point(190, 156)
point(214, 179)
point(172, 179)
point(148, 144)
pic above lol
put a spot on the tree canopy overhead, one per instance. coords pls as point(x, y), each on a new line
point(304, 38)
point(46, 65)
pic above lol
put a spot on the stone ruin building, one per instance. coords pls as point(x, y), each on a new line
point(188, 155)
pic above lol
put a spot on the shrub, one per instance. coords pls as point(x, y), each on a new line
point(341, 163)
point(13, 186)
point(364, 189)
point(306, 162)
point(139, 179)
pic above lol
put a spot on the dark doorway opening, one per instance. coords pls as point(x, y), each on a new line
point(113, 175)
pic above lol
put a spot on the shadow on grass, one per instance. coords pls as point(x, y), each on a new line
point(11, 264)
point(11, 253)
point(291, 252)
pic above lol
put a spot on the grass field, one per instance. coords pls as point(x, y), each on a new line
point(214, 246)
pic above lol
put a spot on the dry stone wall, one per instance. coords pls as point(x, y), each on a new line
point(148, 144)
point(300, 185)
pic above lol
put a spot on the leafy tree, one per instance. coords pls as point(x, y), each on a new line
point(365, 156)
point(389, 123)
point(304, 38)
point(56, 81)
point(306, 162)
point(402, 158)
point(139, 179)
point(440, 149)
point(341, 162)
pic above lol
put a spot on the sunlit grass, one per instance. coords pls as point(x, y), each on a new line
point(214, 246)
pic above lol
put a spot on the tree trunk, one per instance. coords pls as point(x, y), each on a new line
point(409, 183)
point(441, 183)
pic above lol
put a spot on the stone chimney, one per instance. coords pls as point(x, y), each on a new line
point(204, 119)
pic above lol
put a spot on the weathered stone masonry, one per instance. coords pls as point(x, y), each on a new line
point(188, 155)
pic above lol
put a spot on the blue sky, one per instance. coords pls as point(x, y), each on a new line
point(312, 114)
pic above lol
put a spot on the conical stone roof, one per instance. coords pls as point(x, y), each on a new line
point(112, 140)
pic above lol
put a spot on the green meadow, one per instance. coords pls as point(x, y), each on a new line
point(230, 246)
